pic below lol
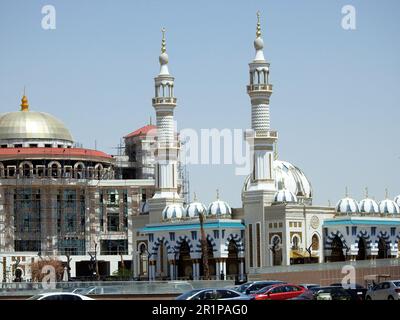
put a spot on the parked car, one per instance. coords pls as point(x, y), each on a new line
point(306, 295)
point(60, 296)
point(358, 291)
point(308, 286)
point(254, 286)
point(387, 290)
point(213, 294)
point(97, 290)
point(283, 291)
point(334, 293)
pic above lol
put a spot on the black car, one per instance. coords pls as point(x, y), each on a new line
point(358, 291)
point(334, 293)
point(254, 286)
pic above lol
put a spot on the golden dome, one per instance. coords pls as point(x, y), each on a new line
point(28, 125)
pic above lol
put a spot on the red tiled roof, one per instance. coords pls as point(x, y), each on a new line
point(67, 152)
point(142, 131)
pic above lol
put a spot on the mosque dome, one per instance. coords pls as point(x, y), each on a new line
point(388, 206)
point(368, 205)
point(289, 177)
point(397, 200)
point(347, 205)
point(194, 209)
point(285, 196)
point(173, 211)
point(219, 208)
point(32, 125)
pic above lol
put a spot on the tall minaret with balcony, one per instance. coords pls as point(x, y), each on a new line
point(261, 190)
point(166, 154)
point(260, 137)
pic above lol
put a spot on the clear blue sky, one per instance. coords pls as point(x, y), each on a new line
point(336, 92)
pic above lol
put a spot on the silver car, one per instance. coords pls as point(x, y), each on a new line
point(213, 294)
point(388, 290)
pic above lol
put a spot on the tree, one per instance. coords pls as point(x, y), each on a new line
point(204, 248)
point(37, 267)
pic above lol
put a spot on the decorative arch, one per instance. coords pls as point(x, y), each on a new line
point(54, 169)
point(79, 170)
point(158, 243)
point(211, 240)
point(98, 168)
point(238, 241)
point(26, 168)
point(181, 240)
point(315, 241)
point(364, 235)
point(295, 241)
point(383, 243)
point(331, 237)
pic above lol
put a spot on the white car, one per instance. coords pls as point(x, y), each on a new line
point(60, 296)
point(388, 290)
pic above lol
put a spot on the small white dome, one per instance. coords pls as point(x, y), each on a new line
point(389, 207)
point(347, 205)
point(173, 211)
point(368, 205)
point(285, 195)
point(219, 208)
point(163, 58)
point(397, 200)
point(144, 207)
point(259, 44)
point(194, 209)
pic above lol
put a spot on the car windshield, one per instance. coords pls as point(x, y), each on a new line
point(264, 290)
point(37, 297)
point(186, 295)
point(243, 287)
point(396, 283)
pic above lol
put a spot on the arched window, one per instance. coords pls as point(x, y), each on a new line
point(26, 169)
point(337, 250)
point(295, 242)
point(79, 170)
point(98, 171)
point(54, 169)
point(315, 242)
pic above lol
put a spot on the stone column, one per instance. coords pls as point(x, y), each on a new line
point(172, 269)
point(223, 267)
point(217, 268)
point(241, 270)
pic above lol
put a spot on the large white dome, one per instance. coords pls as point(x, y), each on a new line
point(289, 177)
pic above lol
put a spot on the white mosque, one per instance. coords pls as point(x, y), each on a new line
point(277, 224)
point(58, 200)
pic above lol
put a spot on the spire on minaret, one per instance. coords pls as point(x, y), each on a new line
point(24, 103)
point(346, 192)
point(259, 43)
point(366, 192)
point(163, 56)
point(386, 193)
point(217, 194)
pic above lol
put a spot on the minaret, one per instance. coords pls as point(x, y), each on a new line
point(261, 190)
point(166, 155)
point(261, 139)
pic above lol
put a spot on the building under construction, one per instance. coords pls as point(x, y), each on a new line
point(60, 201)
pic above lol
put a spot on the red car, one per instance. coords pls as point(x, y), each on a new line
point(281, 291)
